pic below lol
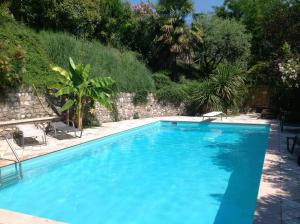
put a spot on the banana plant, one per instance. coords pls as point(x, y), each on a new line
point(81, 89)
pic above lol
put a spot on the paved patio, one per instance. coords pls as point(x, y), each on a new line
point(279, 194)
point(290, 182)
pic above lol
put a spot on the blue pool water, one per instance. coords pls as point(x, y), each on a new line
point(163, 173)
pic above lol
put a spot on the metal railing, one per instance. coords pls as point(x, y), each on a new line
point(17, 161)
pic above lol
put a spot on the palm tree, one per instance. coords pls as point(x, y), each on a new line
point(81, 89)
point(184, 7)
point(171, 43)
point(175, 39)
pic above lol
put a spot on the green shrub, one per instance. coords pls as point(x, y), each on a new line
point(4, 8)
point(204, 98)
point(174, 94)
point(12, 65)
point(130, 74)
point(22, 57)
point(140, 97)
point(222, 91)
point(161, 80)
point(136, 115)
point(26, 56)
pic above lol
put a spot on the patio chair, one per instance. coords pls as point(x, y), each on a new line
point(289, 119)
point(213, 114)
point(268, 113)
point(60, 126)
point(31, 131)
point(294, 141)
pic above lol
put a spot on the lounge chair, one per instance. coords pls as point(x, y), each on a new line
point(213, 114)
point(295, 141)
point(60, 126)
point(289, 119)
point(31, 131)
point(268, 113)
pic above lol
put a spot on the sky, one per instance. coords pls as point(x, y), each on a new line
point(200, 5)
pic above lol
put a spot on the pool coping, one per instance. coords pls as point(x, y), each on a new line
point(11, 217)
point(269, 203)
point(274, 211)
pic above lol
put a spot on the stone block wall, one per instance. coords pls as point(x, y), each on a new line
point(19, 104)
point(23, 103)
point(127, 110)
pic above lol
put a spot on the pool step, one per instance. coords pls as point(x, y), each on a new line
point(9, 175)
point(9, 180)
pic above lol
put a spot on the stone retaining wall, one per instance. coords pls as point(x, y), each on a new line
point(20, 104)
point(24, 104)
point(127, 110)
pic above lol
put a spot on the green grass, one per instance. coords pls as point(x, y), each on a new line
point(130, 74)
point(40, 50)
point(15, 37)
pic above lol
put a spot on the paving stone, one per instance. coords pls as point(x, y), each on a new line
point(290, 204)
point(291, 221)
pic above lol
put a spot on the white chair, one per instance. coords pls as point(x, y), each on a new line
point(31, 131)
point(213, 114)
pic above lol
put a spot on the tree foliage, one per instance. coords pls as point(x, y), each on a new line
point(142, 30)
point(22, 56)
point(181, 7)
point(271, 22)
point(242, 33)
point(225, 40)
point(105, 20)
point(174, 40)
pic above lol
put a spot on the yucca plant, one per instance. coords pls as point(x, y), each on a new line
point(204, 98)
point(80, 89)
point(228, 83)
point(221, 91)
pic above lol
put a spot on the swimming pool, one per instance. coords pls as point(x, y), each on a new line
point(165, 173)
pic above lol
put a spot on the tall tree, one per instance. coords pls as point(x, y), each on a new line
point(183, 7)
point(142, 30)
point(225, 40)
point(174, 40)
point(271, 22)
